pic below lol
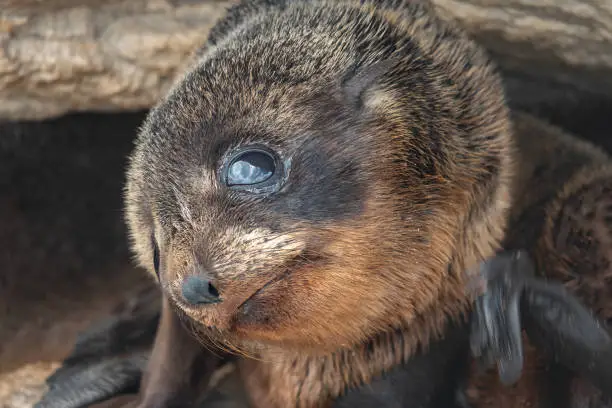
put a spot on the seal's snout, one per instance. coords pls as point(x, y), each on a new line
point(198, 290)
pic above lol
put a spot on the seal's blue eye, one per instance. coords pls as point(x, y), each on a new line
point(251, 167)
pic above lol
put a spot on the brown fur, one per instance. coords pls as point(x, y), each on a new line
point(554, 167)
point(384, 281)
point(371, 288)
point(366, 290)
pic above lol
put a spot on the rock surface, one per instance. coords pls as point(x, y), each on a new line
point(58, 56)
point(94, 55)
point(568, 42)
point(22, 388)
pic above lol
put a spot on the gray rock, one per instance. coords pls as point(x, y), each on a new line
point(93, 55)
point(58, 56)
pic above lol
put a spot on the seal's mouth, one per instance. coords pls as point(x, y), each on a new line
point(306, 259)
point(272, 281)
point(248, 300)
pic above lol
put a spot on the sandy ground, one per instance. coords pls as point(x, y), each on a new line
point(23, 387)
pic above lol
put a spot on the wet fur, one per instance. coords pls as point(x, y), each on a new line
point(544, 148)
point(370, 281)
point(453, 192)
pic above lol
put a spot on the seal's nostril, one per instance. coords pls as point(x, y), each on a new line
point(198, 290)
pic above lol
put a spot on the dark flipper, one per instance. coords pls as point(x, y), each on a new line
point(108, 359)
point(85, 384)
point(559, 325)
point(496, 324)
point(145, 352)
point(553, 319)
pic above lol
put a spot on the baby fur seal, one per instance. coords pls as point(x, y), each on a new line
point(253, 193)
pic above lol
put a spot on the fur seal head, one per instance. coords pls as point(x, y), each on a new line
point(324, 173)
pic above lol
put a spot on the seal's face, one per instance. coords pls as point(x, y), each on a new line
point(275, 218)
point(295, 200)
point(259, 225)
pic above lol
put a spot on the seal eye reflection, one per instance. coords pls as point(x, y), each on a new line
point(250, 167)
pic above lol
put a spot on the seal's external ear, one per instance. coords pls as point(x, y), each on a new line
point(361, 78)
